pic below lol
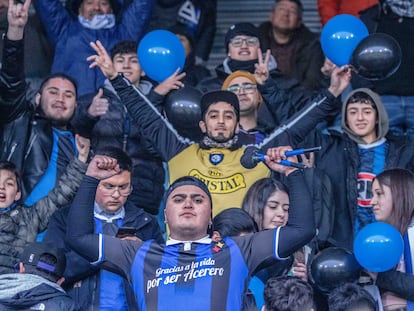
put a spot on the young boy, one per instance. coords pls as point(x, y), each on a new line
point(20, 224)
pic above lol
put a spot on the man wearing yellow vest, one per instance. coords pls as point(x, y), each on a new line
point(216, 158)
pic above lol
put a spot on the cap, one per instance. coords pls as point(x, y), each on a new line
point(243, 29)
point(33, 253)
point(188, 180)
point(219, 96)
point(240, 73)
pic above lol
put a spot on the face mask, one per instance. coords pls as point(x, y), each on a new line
point(104, 21)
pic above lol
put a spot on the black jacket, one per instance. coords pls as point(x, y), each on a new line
point(117, 128)
point(41, 297)
point(339, 159)
point(307, 53)
point(291, 96)
point(86, 293)
point(26, 137)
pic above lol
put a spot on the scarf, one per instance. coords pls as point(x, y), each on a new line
point(103, 21)
point(231, 144)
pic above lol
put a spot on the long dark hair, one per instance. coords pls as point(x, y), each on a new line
point(256, 197)
point(401, 184)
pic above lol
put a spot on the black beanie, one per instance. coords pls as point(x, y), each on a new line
point(219, 96)
point(189, 180)
point(241, 29)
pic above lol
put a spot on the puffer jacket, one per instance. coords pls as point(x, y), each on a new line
point(20, 225)
point(71, 40)
point(32, 292)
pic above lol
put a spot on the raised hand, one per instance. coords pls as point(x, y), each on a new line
point(173, 82)
point(261, 72)
point(275, 155)
point(102, 60)
point(340, 79)
point(99, 105)
point(102, 167)
point(17, 16)
point(83, 145)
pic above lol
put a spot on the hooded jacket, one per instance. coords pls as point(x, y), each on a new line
point(32, 292)
point(382, 117)
point(71, 39)
point(339, 158)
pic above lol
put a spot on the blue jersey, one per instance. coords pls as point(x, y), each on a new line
point(214, 275)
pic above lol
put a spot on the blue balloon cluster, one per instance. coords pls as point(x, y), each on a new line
point(340, 36)
point(160, 54)
point(378, 247)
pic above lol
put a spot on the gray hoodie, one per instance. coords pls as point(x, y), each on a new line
point(382, 117)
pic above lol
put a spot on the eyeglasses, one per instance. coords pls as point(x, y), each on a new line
point(109, 190)
point(248, 88)
point(238, 42)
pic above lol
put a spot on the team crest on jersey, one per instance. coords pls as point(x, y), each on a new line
point(364, 188)
point(216, 158)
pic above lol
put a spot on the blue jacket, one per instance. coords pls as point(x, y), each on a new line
point(71, 39)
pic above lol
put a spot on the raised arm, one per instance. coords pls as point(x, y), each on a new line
point(80, 233)
point(326, 105)
point(12, 80)
point(66, 187)
point(152, 124)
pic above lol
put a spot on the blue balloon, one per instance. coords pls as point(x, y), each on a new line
point(378, 247)
point(160, 54)
point(340, 36)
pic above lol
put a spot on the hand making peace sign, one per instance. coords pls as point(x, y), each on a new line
point(261, 73)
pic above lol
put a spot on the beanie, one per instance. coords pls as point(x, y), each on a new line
point(241, 29)
point(219, 96)
point(240, 73)
point(189, 181)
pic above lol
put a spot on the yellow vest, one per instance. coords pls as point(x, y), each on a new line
point(220, 170)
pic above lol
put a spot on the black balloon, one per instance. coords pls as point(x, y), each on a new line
point(333, 267)
point(376, 57)
point(182, 108)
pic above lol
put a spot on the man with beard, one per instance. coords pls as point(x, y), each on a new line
point(216, 158)
point(296, 49)
point(36, 138)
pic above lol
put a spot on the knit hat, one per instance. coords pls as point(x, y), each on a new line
point(219, 96)
point(188, 180)
point(240, 73)
point(33, 253)
point(241, 29)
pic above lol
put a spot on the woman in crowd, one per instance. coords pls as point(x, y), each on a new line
point(393, 203)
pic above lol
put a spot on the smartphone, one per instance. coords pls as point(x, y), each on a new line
point(126, 231)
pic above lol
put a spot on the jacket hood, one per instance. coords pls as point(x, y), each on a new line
point(382, 117)
point(26, 289)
